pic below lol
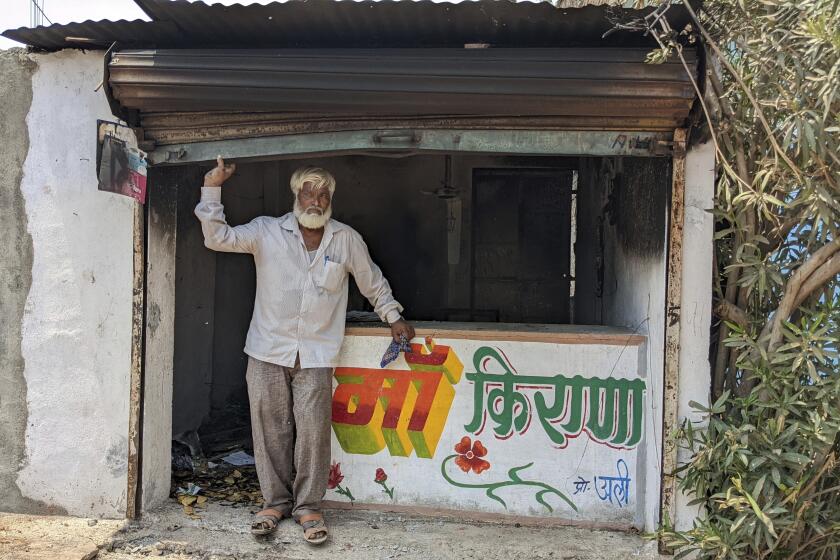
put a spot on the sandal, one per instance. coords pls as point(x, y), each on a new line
point(265, 521)
point(314, 528)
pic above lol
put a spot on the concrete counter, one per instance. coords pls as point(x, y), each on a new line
point(530, 420)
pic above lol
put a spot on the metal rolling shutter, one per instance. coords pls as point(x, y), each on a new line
point(236, 93)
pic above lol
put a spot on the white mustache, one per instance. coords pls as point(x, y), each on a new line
point(313, 217)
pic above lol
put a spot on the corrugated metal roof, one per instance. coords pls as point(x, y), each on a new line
point(392, 23)
point(350, 23)
point(96, 34)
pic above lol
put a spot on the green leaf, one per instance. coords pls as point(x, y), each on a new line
point(797, 458)
point(757, 462)
point(759, 486)
point(812, 371)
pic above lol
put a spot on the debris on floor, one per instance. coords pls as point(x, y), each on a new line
point(238, 459)
point(217, 480)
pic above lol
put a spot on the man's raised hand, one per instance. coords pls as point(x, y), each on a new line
point(219, 174)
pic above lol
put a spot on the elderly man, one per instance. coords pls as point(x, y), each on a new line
point(303, 259)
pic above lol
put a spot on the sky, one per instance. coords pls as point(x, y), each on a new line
point(15, 13)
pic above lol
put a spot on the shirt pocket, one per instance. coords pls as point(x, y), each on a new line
point(330, 276)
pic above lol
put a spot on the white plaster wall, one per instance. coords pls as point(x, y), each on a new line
point(637, 300)
point(696, 317)
point(77, 323)
point(638, 303)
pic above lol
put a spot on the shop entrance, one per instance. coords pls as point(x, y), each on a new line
point(510, 217)
point(567, 250)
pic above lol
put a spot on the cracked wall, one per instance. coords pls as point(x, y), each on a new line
point(65, 294)
point(16, 70)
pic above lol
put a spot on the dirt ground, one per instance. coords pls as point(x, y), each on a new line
point(221, 533)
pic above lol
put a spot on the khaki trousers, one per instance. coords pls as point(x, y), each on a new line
point(290, 421)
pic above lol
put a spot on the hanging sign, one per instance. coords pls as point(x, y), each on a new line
point(121, 165)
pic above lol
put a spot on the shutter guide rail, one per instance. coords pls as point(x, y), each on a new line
point(409, 142)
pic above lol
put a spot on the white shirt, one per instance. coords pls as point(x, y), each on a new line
point(300, 305)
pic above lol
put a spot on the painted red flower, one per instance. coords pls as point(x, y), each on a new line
point(470, 456)
point(380, 475)
point(335, 476)
point(380, 479)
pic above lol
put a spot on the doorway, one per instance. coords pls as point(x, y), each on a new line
point(514, 267)
point(521, 245)
point(213, 292)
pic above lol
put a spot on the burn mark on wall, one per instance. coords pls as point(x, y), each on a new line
point(154, 317)
point(636, 207)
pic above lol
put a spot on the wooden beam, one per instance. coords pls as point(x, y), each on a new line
point(672, 331)
point(135, 410)
point(553, 334)
point(159, 351)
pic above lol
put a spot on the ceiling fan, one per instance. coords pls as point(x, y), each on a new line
point(453, 212)
point(447, 191)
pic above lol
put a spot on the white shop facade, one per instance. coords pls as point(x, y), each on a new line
point(539, 210)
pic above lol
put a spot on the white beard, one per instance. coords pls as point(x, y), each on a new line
point(311, 220)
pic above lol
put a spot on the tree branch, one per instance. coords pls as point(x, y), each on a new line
point(820, 267)
point(794, 292)
point(756, 107)
point(720, 93)
point(722, 356)
point(701, 99)
point(830, 269)
point(776, 237)
point(732, 313)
